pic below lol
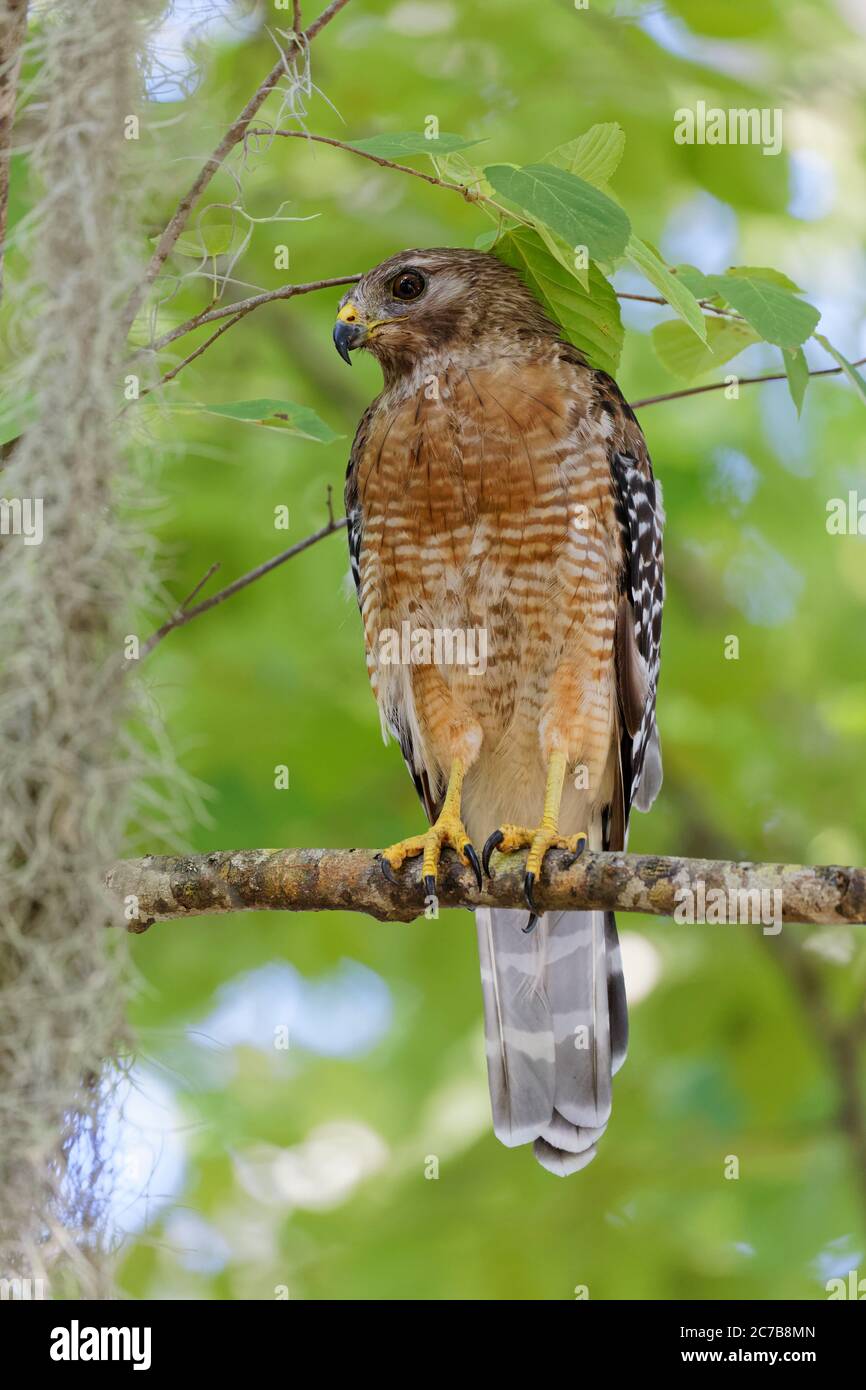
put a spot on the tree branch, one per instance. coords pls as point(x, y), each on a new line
point(351, 880)
point(741, 381)
point(703, 303)
point(191, 356)
point(232, 137)
point(468, 193)
point(184, 614)
point(242, 307)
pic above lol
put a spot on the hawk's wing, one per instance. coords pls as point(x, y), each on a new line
point(639, 615)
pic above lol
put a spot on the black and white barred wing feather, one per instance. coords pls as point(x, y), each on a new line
point(639, 626)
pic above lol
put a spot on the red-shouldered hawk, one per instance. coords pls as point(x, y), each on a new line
point(505, 538)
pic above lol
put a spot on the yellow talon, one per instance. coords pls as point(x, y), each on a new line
point(543, 840)
point(538, 842)
point(404, 849)
point(509, 838)
point(514, 837)
point(448, 829)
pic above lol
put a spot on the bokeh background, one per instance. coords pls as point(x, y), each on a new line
point(253, 1170)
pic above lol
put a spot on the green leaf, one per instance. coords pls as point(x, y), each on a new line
point(213, 239)
point(678, 294)
point(681, 352)
point(695, 280)
point(560, 248)
point(457, 169)
point(583, 215)
point(484, 240)
point(765, 272)
point(797, 372)
point(589, 319)
point(775, 313)
point(299, 420)
point(402, 144)
point(279, 414)
point(593, 156)
point(848, 368)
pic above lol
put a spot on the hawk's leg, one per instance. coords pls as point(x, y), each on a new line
point(447, 829)
point(513, 837)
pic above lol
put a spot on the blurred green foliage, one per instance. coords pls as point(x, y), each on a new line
point(763, 753)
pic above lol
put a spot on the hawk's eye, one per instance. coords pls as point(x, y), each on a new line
point(408, 284)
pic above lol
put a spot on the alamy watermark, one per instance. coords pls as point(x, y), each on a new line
point(23, 1290)
point(851, 1286)
point(846, 516)
point(703, 125)
point(22, 516)
point(77, 1343)
point(437, 646)
point(723, 906)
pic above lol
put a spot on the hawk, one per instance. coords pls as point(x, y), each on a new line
point(499, 491)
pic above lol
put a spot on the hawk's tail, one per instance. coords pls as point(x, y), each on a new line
point(556, 1027)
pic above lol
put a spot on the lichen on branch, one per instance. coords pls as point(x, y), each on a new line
point(161, 888)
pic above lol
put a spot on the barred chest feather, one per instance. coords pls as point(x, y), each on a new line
point(490, 533)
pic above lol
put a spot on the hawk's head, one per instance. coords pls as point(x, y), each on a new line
point(445, 300)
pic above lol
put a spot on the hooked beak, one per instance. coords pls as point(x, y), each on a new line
point(349, 331)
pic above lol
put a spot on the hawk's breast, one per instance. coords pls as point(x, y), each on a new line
point(488, 510)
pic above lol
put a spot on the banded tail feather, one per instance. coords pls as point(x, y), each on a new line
point(556, 1028)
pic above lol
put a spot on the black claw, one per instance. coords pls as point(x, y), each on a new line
point(530, 925)
point(528, 886)
point(578, 852)
point(491, 843)
point(469, 851)
point(429, 886)
point(386, 869)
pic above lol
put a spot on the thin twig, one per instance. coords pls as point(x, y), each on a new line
point(468, 193)
point(242, 307)
point(185, 615)
point(741, 381)
point(319, 880)
point(232, 137)
point(199, 586)
point(324, 18)
point(202, 347)
point(702, 303)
